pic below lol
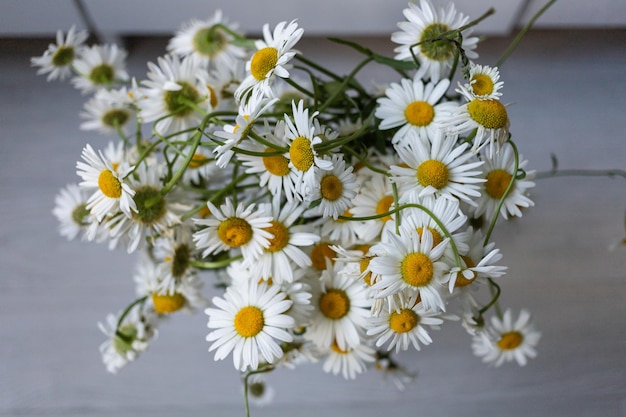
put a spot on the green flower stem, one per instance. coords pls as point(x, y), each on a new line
point(581, 173)
point(345, 83)
point(299, 87)
point(239, 40)
point(193, 105)
point(214, 265)
point(508, 190)
point(509, 50)
point(125, 313)
point(178, 174)
point(318, 67)
point(262, 370)
point(279, 149)
point(330, 145)
point(217, 195)
point(495, 291)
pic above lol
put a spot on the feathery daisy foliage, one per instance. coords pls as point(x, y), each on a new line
point(332, 221)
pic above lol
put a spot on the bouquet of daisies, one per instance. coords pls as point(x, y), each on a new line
point(333, 222)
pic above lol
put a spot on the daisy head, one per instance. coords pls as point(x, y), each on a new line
point(507, 340)
point(404, 326)
point(488, 117)
point(271, 58)
point(303, 158)
point(206, 39)
point(174, 90)
point(350, 361)
point(57, 60)
point(341, 309)
point(499, 172)
point(242, 228)
point(100, 66)
point(436, 168)
point(111, 191)
point(109, 111)
point(412, 105)
point(335, 188)
point(409, 263)
point(424, 25)
point(483, 83)
point(249, 322)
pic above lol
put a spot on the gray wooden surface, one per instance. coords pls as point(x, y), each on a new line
point(567, 92)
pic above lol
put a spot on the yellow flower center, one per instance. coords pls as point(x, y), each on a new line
point(419, 113)
point(437, 238)
point(363, 266)
point(180, 102)
point(115, 118)
point(403, 321)
point(383, 207)
point(281, 236)
point(209, 41)
point(276, 165)
point(334, 303)
point(263, 61)
point(320, 252)
point(497, 182)
point(331, 188)
point(433, 172)
point(249, 321)
point(488, 113)
point(461, 281)
point(482, 84)
point(301, 153)
point(109, 184)
point(102, 74)
point(165, 304)
point(417, 269)
point(197, 160)
point(151, 206)
point(234, 232)
point(510, 340)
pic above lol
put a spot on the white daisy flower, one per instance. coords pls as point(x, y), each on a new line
point(412, 105)
point(175, 89)
point(335, 188)
point(201, 168)
point(303, 159)
point(249, 111)
point(109, 111)
point(498, 171)
point(488, 117)
point(406, 325)
point(70, 209)
point(242, 228)
point(409, 263)
point(126, 342)
point(437, 168)
point(249, 322)
point(350, 361)
point(100, 66)
point(505, 340)
point(112, 192)
point(400, 377)
point(341, 309)
point(483, 82)
point(284, 246)
point(57, 60)
point(211, 44)
point(321, 254)
point(435, 58)
point(271, 58)
point(273, 170)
